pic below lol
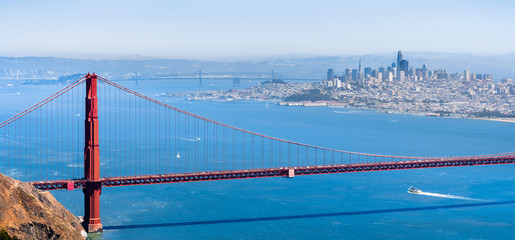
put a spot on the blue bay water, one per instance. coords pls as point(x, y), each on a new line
point(373, 205)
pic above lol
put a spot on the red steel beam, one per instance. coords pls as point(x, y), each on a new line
point(276, 172)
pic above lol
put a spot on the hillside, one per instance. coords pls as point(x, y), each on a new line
point(304, 67)
point(28, 213)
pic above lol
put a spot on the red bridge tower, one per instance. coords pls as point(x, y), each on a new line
point(93, 187)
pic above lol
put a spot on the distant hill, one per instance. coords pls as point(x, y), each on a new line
point(302, 66)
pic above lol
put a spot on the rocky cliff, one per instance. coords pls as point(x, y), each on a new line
point(28, 213)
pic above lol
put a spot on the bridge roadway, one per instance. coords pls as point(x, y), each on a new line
point(277, 172)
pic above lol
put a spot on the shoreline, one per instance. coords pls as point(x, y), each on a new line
point(390, 111)
point(508, 120)
point(344, 106)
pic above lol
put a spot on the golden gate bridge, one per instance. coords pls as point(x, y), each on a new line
point(119, 137)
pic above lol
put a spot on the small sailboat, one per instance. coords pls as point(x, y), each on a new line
point(178, 155)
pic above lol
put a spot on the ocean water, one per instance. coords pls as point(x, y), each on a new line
point(461, 203)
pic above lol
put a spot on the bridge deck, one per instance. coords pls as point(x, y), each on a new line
point(276, 172)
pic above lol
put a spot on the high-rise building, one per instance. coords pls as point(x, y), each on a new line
point(401, 75)
point(348, 74)
point(360, 71)
point(399, 59)
point(330, 74)
point(381, 70)
point(403, 66)
point(374, 73)
point(412, 72)
point(466, 75)
point(354, 74)
point(368, 71)
point(337, 83)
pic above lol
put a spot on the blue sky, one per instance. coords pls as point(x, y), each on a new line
point(199, 29)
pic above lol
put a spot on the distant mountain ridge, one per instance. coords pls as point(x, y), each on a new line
point(291, 66)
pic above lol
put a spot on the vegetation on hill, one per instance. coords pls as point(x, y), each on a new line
point(5, 236)
point(279, 81)
point(495, 114)
point(312, 95)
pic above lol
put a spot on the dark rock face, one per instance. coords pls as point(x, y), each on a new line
point(28, 213)
point(39, 231)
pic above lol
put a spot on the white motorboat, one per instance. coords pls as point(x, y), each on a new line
point(413, 190)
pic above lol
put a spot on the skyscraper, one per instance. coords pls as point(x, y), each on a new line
point(348, 74)
point(330, 74)
point(368, 71)
point(360, 71)
point(403, 66)
point(399, 59)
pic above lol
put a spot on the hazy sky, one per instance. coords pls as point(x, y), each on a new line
point(213, 29)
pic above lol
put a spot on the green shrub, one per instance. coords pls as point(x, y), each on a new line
point(5, 236)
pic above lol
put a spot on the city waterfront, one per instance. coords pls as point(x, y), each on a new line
point(403, 90)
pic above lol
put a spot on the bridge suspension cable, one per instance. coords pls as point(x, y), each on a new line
point(142, 136)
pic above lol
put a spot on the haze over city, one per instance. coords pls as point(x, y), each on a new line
point(214, 30)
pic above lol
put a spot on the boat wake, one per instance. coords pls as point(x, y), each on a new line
point(348, 112)
point(10, 94)
point(76, 165)
point(448, 196)
point(191, 140)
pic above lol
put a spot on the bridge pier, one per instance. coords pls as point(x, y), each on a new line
point(92, 193)
point(93, 187)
